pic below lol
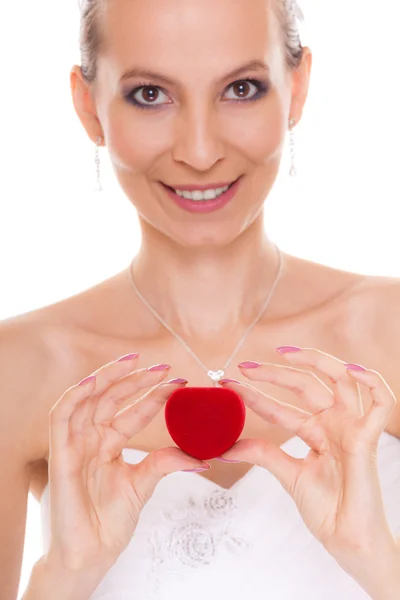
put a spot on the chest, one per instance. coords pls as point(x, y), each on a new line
point(260, 346)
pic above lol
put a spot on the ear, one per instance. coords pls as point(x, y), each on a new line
point(300, 84)
point(85, 107)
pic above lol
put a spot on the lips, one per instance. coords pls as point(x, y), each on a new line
point(203, 206)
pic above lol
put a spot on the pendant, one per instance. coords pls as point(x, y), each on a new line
point(216, 375)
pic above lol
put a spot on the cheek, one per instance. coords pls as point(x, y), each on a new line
point(261, 137)
point(134, 142)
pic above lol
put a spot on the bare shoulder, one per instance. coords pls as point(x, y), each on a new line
point(26, 361)
point(40, 357)
point(376, 320)
point(45, 351)
point(378, 300)
point(359, 319)
point(387, 291)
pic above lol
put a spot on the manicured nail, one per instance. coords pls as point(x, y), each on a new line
point(127, 357)
point(196, 470)
point(249, 364)
point(87, 379)
point(352, 367)
point(177, 380)
point(287, 349)
point(229, 381)
point(160, 367)
point(226, 460)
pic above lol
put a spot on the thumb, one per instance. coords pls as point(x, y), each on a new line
point(270, 456)
point(159, 463)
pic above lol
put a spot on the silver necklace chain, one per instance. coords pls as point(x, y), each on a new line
point(215, 376)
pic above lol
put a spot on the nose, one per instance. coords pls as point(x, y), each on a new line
point(197, 142)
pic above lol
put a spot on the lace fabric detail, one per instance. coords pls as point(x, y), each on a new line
point(193, 535)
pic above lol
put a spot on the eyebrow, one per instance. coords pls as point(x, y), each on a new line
point(253, 65)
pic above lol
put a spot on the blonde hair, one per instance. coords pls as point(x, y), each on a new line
point(91, 40)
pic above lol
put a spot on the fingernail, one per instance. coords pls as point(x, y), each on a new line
point(227, 460)
point(352, 367)
point(160, 367)
point(229, 381)
point(196, 470)
point(127, 357)
point(287, 349)
point(87, 379)
point(249, 364)
point(177, 380)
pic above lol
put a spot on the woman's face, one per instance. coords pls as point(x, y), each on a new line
point(203, 126)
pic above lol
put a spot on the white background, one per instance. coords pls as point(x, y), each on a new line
point(58, 237)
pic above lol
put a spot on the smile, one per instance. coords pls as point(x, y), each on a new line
point(203, 201)
point(199, 195)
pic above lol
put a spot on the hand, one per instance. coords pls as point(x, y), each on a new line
point(336, 486)
point(95, 496)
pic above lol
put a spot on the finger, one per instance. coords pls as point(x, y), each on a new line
point(375, 420)
point(313, 392)
point(105, 375)
point(133, 418)
point(270, 456)
point(60, 414)
point(156, 465)
point(112, 371)
point(101, 408)
point(127, 388)
point(347, 392)
point(269, 408)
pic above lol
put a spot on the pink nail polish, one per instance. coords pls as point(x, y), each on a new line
point(352, 367)
point(226, 460)
point(87, 379)
point(160, 367)
point(287, 349)
point(249, 364)
point(228, 381)
point(127, 357)
point(177, 380)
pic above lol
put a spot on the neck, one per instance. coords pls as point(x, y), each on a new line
point(207, 291)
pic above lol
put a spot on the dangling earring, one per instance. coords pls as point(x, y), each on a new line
point(98, 187)
point(292, 172)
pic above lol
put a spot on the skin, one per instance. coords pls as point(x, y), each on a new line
point(189, 263)
point(199, 135)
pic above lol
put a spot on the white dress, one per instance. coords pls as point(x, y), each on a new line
point(195, 540)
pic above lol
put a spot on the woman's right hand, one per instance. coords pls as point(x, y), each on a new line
point(95, 496)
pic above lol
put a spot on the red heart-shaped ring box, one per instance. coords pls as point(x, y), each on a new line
point(205, 422)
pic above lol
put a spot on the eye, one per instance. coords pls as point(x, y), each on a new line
point(241, 89)
point(151, 96)
point(146, 96)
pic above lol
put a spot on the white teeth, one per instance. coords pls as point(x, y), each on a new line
point(198, 195)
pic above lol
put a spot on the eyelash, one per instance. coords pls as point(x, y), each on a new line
point(262, 88)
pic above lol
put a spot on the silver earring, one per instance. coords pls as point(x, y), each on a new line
point(98, 187)
point(292, 172)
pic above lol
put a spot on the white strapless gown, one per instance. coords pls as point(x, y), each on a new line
point(196, 541)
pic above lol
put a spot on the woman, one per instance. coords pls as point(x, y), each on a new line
point(307, 496)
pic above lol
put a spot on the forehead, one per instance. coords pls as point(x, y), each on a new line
point(163, 34)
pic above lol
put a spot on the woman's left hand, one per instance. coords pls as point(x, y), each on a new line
point(336, 486)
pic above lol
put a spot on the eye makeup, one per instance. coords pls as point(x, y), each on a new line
point(262, 88)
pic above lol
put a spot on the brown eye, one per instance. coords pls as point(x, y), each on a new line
point(241, 88)
point(146, 96)
point(149, 94)
point(246, 90)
